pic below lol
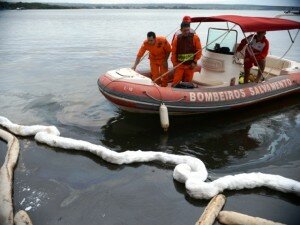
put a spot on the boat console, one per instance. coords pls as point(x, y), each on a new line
point(218, 67)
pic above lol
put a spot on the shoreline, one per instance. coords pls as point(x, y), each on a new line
point(23, 6)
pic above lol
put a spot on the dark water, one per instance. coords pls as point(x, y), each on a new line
point(49, 65)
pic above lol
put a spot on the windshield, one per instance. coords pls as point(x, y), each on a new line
point(221, 41)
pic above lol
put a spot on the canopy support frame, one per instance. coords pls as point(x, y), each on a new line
point(293, 40)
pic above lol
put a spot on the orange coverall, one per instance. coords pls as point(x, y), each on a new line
point(158, 55)
point(259, 48)
point(185, 72)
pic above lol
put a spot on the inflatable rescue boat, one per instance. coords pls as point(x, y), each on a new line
point(216, 83)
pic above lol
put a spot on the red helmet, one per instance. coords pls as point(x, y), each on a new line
point(186, 19)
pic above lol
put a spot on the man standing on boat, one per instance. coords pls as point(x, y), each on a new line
point(186, 51)
point(185, 19)
point(255, 54)
point(159, 51)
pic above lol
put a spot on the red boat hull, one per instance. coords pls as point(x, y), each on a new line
point(145, 98)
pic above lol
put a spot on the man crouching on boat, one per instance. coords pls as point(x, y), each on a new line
point(255, 54)
point(186, 51)
point(159, 51)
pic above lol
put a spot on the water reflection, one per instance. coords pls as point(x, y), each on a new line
point(218, 139)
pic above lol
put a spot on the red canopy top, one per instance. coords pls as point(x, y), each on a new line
point(252, 24)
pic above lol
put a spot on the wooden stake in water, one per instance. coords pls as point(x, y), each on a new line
point(229, 217)
point(212, 210)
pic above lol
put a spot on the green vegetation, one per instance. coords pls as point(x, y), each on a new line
point(21, 5)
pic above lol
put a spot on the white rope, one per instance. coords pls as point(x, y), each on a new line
point(179, 64)
point(252, 53)
point(188, 170)
point(147, 53)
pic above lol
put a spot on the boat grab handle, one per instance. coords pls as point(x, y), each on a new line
point(124, 75)
point(146, 93)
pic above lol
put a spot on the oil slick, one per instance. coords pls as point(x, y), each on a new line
point(188, 170)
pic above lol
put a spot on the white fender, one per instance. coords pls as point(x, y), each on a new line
point(164, 116)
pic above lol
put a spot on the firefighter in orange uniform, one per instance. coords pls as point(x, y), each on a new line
point(159, 51)
point(186, 19)
point(256, 53)
point(186, 49)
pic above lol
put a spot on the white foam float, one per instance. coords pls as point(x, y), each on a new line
point(6, 183)
point(189, 170)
